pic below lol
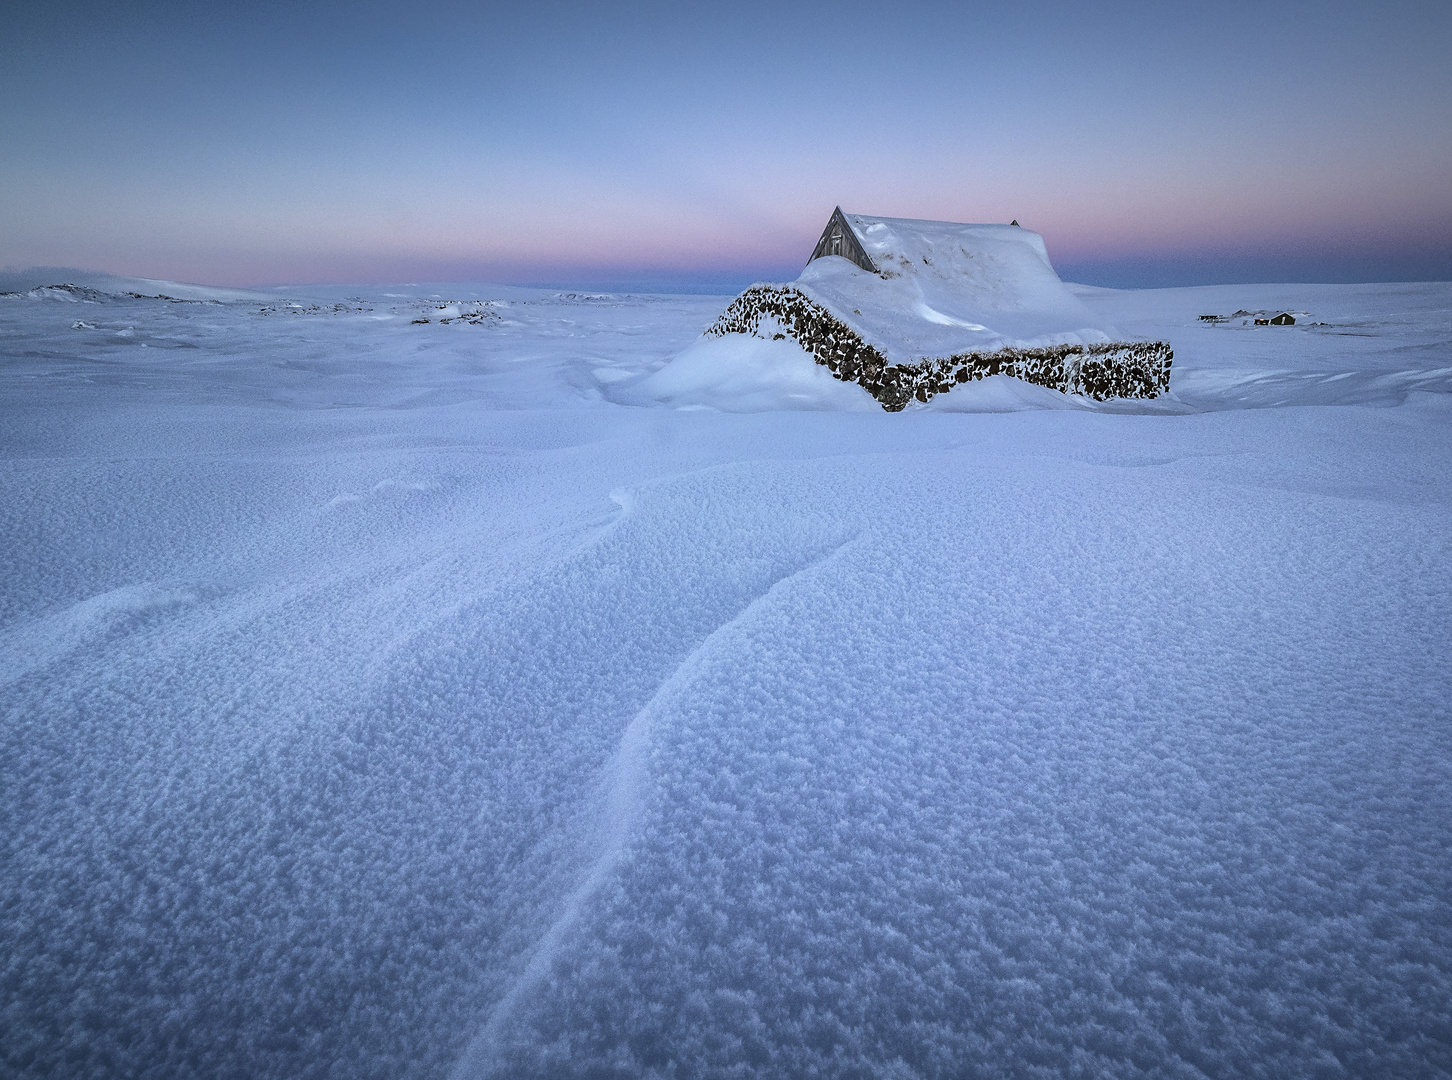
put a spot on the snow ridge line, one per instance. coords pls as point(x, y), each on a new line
point(624, 777)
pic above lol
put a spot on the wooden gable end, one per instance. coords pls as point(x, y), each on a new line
point(839, 239)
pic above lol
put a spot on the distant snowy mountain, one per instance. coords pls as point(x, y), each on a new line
point(36, 279)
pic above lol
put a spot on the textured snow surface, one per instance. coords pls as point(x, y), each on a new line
point(385, 698)
point(947, 288)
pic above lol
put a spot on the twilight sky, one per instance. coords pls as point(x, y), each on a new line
point(680, 146)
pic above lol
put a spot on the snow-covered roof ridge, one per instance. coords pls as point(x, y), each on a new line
point(914, 238)
point(879, 235)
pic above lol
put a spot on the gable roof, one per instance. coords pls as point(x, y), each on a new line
point(838, 238)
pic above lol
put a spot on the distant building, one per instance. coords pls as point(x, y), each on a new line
point(908, 309)
point(1285, 318)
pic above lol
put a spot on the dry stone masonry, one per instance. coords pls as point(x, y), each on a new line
point(1138, 369)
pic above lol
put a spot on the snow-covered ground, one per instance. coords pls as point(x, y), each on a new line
point(387, 698)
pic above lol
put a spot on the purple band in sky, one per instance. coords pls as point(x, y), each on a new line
point(703, 148)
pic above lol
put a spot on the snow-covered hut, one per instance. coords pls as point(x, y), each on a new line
point(908, 309)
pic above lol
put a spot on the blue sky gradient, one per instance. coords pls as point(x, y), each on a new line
point(680, 147)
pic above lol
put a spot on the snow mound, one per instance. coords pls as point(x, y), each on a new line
point(737, 373)
point(1002, 394)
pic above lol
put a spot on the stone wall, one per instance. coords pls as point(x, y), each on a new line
point(1118, 369)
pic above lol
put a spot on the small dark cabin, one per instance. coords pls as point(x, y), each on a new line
point(1285, 318)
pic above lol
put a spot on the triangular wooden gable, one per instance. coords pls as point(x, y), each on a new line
point(839, 239)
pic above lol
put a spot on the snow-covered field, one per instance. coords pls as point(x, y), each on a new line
point(385, 698)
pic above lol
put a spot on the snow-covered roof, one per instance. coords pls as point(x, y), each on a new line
point(943, 288)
